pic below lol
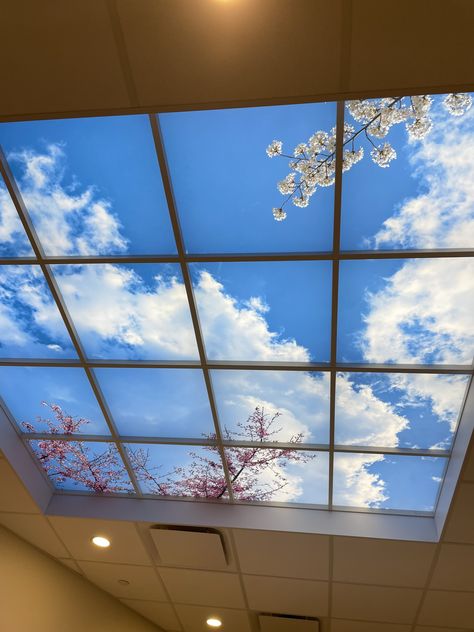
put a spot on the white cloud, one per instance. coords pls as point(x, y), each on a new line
point(118, 315)
point(423, 314)
point(67, 222)
point(363, 418)
point(29, 320)
point(354, 485)
point(240, 333)
point(11, 230)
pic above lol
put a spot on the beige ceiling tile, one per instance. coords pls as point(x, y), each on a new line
point(126, 546)
point(296, 555)
point(339, 625)
point(13, 495)
point(204, 52)
point(375, 603)
point(287, 596)
point(430, 628)
point(143, 582)
point(400, 47)
point(145, 530)
point(67, 58)
point(203, 588)
point(460, 526)
point(455, 609)
point(36, 530)
point(455, 568)
point(160, 613)
point(70, 564)
point(383, 562)
point(193, 618)
point(468, 471)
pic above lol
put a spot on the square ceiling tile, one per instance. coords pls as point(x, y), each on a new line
point(13, 496)
point(384, 562)
point(455, 568)
point(142, 580)
point(375, 603)
point(65, 72)
point(193, 618)
point(203, 588)
point(339, 625)
point(460, 526)
point(160, 613)
point(242, 32)
point(302, 556)
point(287, 596)
point(447, 608)
point(395, 66)
point(125, 548)
point(35, 530)
point(198, 549)
point(430, 628)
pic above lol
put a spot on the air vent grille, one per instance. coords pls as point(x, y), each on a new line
point(190, 547)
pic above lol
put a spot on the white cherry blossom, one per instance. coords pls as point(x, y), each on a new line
point(313, 163)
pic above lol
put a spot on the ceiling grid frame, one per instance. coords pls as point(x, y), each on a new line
point(205, 365)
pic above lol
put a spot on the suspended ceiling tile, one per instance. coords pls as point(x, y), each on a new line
point(160, 613)
point(62, 57)
point(460, 527)
point(454, 568)
point(429, 628)
point(385, 562)
point(447, 608)
point(204, 588)
point(375, 603)
point(287, 596)
point(36, 530)
point(379, 60)
point(13, 496)
point(301, 556)
point(193, 618)
point(198, 549)
point(269, 623)
point(143, 581)
point(126, 546)
point(339, 625)
point(204, 52)
point(70, 564)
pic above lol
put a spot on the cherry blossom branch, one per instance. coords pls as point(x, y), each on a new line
point(313, 164)
point(103, 472)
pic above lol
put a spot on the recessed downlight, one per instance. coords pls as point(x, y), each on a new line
point(100, 541)
point(214, 622)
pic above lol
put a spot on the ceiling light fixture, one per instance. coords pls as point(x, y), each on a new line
point(214, 622)
point(100, 541)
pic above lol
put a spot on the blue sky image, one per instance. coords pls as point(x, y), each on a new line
point(225, 185)
point(66, 387)
point(93, 187)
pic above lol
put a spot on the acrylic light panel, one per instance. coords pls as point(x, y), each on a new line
point(174, 317)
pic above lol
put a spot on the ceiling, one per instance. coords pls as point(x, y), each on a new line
point(350, 584)
point(98, 56)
